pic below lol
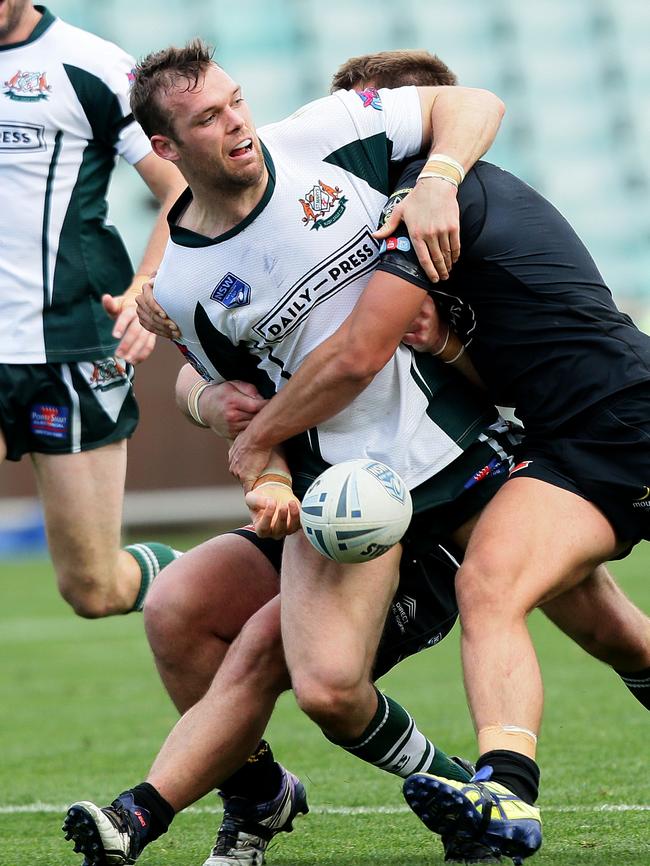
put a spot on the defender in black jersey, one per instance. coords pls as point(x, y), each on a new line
point(546, 337)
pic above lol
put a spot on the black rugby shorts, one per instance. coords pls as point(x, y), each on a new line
point(423, 610)
point(602, 455)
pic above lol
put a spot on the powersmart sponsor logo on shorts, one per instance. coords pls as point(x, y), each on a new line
point(50, 421)
point(351, 261)
point(21, 136)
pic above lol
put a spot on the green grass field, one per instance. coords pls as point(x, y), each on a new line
point(83, 716)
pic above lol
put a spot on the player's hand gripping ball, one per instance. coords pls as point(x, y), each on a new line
point(356, 510)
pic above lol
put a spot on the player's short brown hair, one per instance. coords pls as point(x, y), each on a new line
point(393, 69)
point(163, 71)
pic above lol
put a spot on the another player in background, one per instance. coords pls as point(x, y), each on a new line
point(65, 369)
point(546, 338)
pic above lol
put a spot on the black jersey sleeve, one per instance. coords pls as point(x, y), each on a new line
point(396, 254)
point(398, 257)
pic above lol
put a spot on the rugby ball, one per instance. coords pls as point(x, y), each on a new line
point(356, 510)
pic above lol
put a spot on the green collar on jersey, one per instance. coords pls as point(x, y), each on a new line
point(46, 19)
point(187, 238)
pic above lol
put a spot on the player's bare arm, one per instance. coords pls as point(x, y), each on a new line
point(166, 183)
point(461, 124)
point(333, 374)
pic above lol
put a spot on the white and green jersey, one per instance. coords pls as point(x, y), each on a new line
point(253, 302)
point(64, 119)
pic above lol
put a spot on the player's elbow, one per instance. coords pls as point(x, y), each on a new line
point(489, 100)
point(359, 365)
point(498, 104)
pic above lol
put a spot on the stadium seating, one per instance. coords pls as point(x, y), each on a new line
point(574, 75)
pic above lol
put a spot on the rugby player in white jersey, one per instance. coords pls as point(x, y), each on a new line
point(357, 213)
point(216, 693)
point(65, 369)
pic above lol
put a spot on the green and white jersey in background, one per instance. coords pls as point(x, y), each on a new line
point(64, 119)
point(252, 303)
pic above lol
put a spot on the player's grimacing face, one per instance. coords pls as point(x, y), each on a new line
point(11, 13)
point(215, 133)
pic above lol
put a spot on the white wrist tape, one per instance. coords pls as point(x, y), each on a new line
point(193, 402)
point(448, 160)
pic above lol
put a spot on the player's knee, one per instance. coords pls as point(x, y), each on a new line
point(258, 653)
point(86, 598)
point(327, 700)
point(486, 594)
point(168, 627)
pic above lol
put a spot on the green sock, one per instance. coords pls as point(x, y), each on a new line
point(393, 743)
point(151, 556)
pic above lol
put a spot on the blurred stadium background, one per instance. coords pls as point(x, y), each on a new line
point(574, 75)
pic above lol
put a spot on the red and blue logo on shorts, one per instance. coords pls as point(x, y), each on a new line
point(50, 421)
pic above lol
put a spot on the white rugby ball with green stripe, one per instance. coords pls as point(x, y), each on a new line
point(356, 510)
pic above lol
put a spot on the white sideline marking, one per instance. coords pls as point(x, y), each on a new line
point(334, 810)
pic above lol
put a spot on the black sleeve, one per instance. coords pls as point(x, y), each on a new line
point(398, 257)
point(396, 254)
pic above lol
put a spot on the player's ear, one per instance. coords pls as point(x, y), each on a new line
point(164, 147)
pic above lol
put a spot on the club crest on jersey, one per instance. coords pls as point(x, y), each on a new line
point(322, 206)
point(191, 358)
point(232, 292)
point(27, 86)
point(388, 479)
point(370, 98)
point(107, 374)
